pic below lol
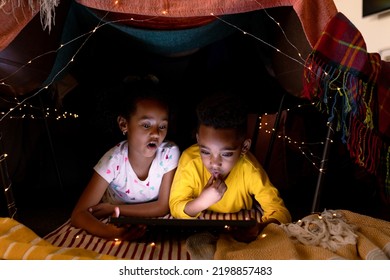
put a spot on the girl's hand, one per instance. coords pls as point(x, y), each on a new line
point(129, 232)
point(133, 232)
point(102, 210)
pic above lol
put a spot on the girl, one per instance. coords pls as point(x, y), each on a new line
point(134, 177)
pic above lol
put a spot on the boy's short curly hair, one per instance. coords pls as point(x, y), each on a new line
point(223, 110)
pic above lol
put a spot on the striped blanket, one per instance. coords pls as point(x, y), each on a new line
point(155, 245)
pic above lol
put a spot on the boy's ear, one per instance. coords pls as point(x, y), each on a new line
point(122, 123)
point(246, 146)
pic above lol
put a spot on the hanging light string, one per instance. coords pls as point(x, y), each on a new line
point(305, 148)
point(86, 36)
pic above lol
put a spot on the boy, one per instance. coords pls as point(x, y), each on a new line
point(219, 173)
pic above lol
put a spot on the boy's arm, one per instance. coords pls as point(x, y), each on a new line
point(270, 201)
point(184, 189)
point(272, 204)
point(181, 193)
point(211, 194)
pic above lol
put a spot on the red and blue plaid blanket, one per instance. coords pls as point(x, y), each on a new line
point(353, 87)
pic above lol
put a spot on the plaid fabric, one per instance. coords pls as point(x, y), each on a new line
point(352, 87)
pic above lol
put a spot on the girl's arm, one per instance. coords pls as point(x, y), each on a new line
point(82, 216)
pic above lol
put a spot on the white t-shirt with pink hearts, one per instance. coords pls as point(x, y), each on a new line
point(124, 185)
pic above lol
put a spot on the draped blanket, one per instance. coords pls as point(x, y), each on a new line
point(16, 14)
point(353, 87)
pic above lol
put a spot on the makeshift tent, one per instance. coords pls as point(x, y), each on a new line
point(66, 47)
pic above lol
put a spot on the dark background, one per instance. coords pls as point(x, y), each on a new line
point(50, 161)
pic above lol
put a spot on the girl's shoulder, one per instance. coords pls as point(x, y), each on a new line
point(119, 149)
point(169, 149)
point(114, 155)
point(169, 145)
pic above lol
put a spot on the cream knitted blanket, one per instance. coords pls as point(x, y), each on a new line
point(349, 235)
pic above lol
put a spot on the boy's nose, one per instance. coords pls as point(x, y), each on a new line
point(215, 161)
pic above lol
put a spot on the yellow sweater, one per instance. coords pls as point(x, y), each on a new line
point(247, 180)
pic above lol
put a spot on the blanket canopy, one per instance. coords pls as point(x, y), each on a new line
point(54, 45)
point(166, 27)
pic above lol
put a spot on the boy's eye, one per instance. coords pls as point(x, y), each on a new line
point(204, 152)
point(163, 127)
point(145, 125)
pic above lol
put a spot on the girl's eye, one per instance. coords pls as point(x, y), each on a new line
point(204, 153)
point(145, 125)
point(163, 127)
point(227, 154)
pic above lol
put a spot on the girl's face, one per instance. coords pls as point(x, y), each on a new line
point(220, 149)
point(146, 128)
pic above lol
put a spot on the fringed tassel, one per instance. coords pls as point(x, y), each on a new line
point(47, 13)
point(341, 78)
point(348, 100)
point(46, 7)
point(338, 93)
point(364, 146)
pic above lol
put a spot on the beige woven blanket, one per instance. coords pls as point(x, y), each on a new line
point(372, 243)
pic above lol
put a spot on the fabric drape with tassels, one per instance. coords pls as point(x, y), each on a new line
point(346, 82)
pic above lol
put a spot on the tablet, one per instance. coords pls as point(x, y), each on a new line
point(183, 223)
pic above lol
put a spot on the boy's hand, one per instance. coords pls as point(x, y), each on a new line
point(250, 234)
point(246, 234)
point(211, 194)
point(213, 191)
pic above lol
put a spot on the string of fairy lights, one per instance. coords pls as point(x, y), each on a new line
point(22, 109)
point(29, 111)
point(302, 146)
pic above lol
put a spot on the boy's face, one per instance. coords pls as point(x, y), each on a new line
point(220, 149)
